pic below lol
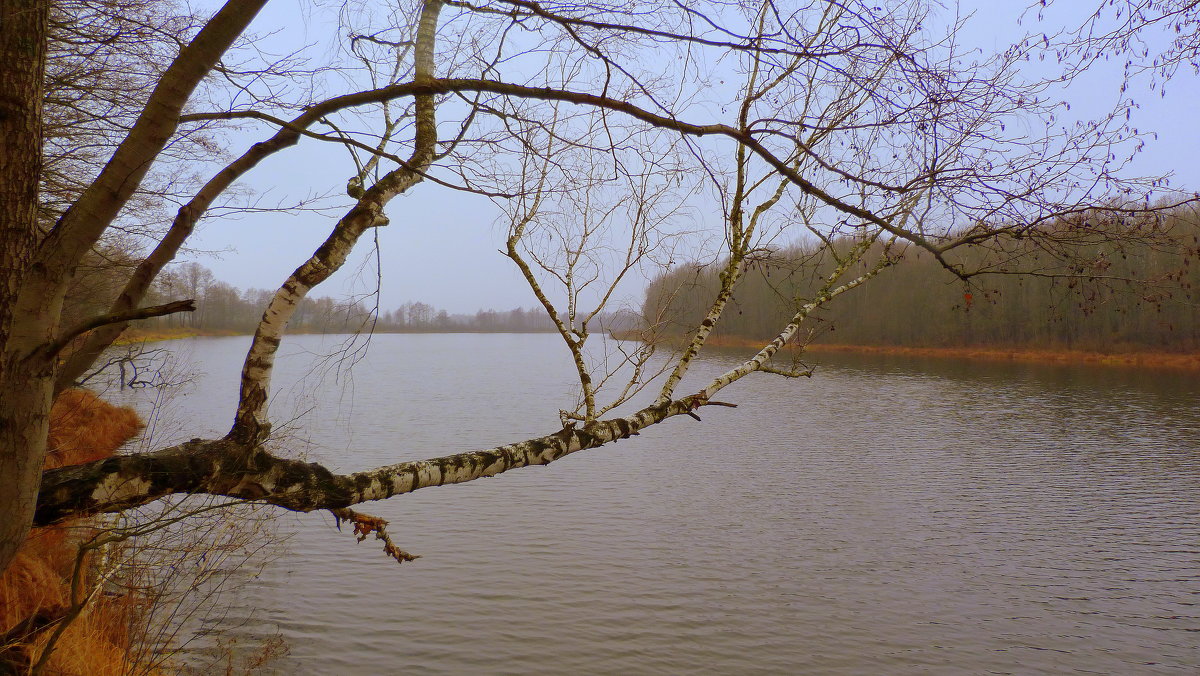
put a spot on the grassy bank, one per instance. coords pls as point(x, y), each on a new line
point(139, 335)
point(35, 590)
point(1133, 357)
point(1171, 360)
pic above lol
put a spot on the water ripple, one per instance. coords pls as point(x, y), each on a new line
point(887, 516)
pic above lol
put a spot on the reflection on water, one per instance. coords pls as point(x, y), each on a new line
point(886, 516)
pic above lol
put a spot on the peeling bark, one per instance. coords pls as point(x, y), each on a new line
point(251, 426)
point(225, 467)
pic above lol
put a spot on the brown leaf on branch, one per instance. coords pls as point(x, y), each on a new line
point(365, 524)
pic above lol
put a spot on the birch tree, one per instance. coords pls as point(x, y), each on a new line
point(611, 136)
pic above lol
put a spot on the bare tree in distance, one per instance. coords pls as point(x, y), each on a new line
point(858, 125)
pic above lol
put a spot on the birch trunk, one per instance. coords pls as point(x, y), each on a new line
point(251, 425)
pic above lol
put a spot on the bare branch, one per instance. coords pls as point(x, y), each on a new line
point(120, 318)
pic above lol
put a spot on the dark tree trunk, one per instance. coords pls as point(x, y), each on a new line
point(25, 383)
point(35, 269)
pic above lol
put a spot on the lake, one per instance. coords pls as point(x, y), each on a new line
point(887, 516)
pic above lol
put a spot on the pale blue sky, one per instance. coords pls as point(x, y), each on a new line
point(442, 246)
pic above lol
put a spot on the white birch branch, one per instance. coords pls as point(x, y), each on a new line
point(251, 424)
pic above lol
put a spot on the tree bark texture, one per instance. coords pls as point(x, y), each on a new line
point(251, 425)
point(226, 467)
point(34, 270)
point(23, 26)
point(24, 393)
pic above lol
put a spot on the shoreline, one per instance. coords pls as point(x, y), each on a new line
point(136, 335)
point(1127, 358)
point(1168, 360)
point(1122, 358)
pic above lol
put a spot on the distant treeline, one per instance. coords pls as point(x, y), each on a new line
point(1085, 302)
point(417, 317)
point(222, 307)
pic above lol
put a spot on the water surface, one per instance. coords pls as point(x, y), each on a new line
point(889, 515)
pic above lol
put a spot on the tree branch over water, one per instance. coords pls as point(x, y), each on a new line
point(616, 141)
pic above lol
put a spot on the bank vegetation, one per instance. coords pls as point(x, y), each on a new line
point(1090, 304)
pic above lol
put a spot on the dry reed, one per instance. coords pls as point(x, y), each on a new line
point(83, 428)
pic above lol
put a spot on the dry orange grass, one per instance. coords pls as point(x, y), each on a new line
point(1133, 357)
point(1169, 360)
point(95, 644)
point(83, 428)
point(138, 335)
point(28, 585)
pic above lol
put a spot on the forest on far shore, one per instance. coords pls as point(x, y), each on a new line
point(223, 308)
point(1109, 297)
point(1091, 305)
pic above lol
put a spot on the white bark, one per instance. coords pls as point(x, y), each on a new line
point(226, 467)
point(251, 424)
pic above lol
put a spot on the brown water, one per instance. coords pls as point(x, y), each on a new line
point(887, 516)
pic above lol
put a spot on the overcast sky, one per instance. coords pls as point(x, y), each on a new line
point(442, 246)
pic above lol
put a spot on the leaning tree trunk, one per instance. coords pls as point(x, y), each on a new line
point(35, 269)
point(25, 383)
